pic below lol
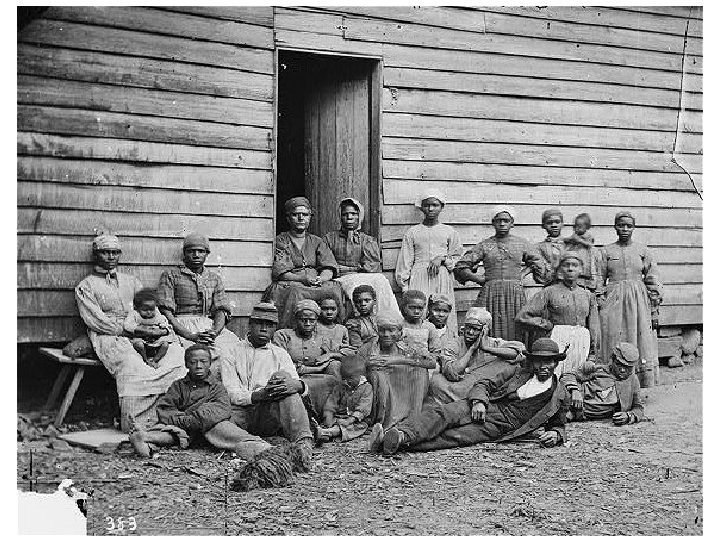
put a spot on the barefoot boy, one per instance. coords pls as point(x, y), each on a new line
point(363, 327)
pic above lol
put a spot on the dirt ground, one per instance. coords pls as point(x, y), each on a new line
point(644, 479)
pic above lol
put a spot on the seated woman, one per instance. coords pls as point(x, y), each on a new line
point(398, 375)
point(358, 258)
point(104, 299)
point(315, 359)
point(303, 266)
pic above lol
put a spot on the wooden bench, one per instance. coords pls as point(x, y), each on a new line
point(75, 366)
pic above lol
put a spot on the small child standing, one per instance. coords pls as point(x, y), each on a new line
point(552, 247)
point(582, 243)
point(328, 331)
point(362, 328)
point(347, 411)
point(439, 309)
point(151, 330)
point(419, 335)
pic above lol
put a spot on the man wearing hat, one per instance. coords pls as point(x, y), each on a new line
point(567, 313)
point(264, 388)
point(598, 391)
point(193, 299)
point(522, 400)
point(475, 356)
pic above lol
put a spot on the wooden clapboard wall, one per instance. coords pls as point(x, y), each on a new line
point(152, 122)
point(149, 123)
point(538, 107)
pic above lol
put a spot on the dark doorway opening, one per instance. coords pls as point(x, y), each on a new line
point(328, 136)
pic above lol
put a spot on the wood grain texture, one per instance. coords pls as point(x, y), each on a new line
point(128, 71)
point(261, 15)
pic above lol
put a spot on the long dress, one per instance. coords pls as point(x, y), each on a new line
point(420, 245)
point(303, 352)
point(359, 250)
point(626, 312)
point(103, 303)
point(314, 257)
point(502, 294)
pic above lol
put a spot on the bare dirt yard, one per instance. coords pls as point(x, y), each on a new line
point(644, 479)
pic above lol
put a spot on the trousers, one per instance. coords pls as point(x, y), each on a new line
point(286, 417)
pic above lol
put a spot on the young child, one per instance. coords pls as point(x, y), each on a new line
point(197, 406)
point(429, 252)
point(597, 391)
point(419, 335)
point(362, 328)
point(439, 309)
point(328, 330)
point(582, 243)
point(151, 329)
point(552, 247)
point(347, 411)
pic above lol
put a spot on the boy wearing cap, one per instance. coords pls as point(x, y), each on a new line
point(567, 313)
point(193, 299)
point(475, 356)
point(263, 385)
point(598, 391)
point(521, 400)
point(553, 247)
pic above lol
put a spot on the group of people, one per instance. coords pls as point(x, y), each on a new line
point(330, 354)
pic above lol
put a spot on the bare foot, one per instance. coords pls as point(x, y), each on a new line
point(137, 438)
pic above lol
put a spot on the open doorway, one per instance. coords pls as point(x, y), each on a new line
point(328, 136)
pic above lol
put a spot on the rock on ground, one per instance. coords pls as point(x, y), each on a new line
point(583, 488)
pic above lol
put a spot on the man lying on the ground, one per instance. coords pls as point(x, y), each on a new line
point(520, 400)
point(196, 406)
point(598, 391)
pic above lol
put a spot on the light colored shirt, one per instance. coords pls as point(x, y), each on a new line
point(251, 368)
point(534, 387)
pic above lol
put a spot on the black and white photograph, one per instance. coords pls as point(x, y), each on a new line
point(360, 270)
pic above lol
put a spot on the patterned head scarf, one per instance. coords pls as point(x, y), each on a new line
point(307, 304)
point(349, 201)
point(438, 298)
point(430, 194)
point(106, 241)
point(196, 240)
point(626, 353)
point(478, 315)
point(296, 202)
point(500, 208)
point(622, 214)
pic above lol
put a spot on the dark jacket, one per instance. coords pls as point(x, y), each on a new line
point(505, 385)
point(194, 406)
point(628, 390)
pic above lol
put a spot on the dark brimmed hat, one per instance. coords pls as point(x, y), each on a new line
point(545, 348)
point(265, 311)
point(626, 354)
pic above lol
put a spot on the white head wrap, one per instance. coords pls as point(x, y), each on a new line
point(430, 194)
point(478, 315)
point(500, 208)
point(361, 209)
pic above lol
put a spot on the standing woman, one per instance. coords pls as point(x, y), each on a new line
point(303, 266)
point(503, 256)
point(428, 254)
point(627, 270)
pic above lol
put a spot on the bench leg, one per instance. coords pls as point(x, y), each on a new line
point(57, 387)
point(69, 395)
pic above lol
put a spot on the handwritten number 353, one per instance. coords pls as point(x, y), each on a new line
point(121, 523)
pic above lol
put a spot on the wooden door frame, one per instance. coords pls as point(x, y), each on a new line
point(373, 214)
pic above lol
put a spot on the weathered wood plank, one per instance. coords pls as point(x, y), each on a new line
point(520, 174)
point(472, 232)
point(497, 131)
point(160, 201)
point(97, 38)
point(681, 315)
point(143, 225)
point(418, 35)
point(512, 85)
point(142, 128)
point(167, 23)
point(59, 276)
point(682, 294)
point(482, 195)
point(488, 21)
point(125, 71)
point(101, 97)
point(681, 12)
point(36, 248)
point(62, 303)
point(462, 105)
point(50, 329)
point(536, 155)
point(111, 173)
point(40, 144)
point(262, 15)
